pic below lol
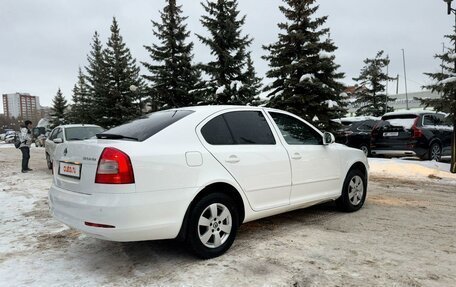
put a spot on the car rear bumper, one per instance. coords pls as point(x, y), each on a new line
point(135, 216)
point(393, 152)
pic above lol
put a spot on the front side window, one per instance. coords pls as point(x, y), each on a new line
point(239, 128)
point(296, 132)
point(59, 134)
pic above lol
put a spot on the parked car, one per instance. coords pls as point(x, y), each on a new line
point(425, 134)
point(68, 133)
point(5, 131)
point(39, 137)
point(197, 173)
point(10, 137)
point(357, 135)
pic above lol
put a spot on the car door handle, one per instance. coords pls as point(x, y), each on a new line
point(232, 159)
point(296, 155)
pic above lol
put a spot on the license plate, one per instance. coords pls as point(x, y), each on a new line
point(391, 134)
point(70, 169)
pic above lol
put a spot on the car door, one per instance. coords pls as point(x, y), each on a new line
point(58, 133)
point(315, 167)
point(244, 143)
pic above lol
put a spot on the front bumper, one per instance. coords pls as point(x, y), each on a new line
point(135, 216)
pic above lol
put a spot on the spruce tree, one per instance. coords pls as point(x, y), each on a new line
point(228, 82)
point(305, 77)
point(97, 83)
point(120, 103)
point(58, 110)
point(174, 80)
point(81, 109)
point(371, 98)
point(253, 83)
point(444, 83)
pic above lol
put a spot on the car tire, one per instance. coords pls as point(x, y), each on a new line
point(212, 225)
point(435, 152)
point(365, 149)
point(48, 161)
point(354, 192)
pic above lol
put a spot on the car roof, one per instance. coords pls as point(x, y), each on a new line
point(78, 126)
point(412, 112)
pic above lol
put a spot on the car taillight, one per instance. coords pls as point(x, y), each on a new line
point(114, 167)
point(416, 132)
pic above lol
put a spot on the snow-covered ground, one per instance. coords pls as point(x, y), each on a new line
point(404, 236)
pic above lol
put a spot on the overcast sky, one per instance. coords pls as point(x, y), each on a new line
point(43, 42)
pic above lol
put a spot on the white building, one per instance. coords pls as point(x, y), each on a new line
point(21, 105)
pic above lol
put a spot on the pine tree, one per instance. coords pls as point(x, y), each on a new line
point(80, 110)
point(253, 83)
point(173, 77)
point(444, 82)
point(305, 76)
point(58, 110)
point(228, 82)
point(371, 97)
point(121, 102)
point(97, 83)
point(445, 85)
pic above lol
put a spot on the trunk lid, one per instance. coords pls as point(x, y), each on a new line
point(75, 166)
point(394, 132)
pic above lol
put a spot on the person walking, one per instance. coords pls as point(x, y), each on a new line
point(26, 141)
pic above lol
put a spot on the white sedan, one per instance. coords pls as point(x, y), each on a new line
point(64, 133)
point(197, 173)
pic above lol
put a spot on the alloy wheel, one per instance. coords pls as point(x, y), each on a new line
point(435, 152)
point(214, 225)
point(355, 190)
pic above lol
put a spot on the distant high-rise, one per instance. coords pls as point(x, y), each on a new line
point(21, 105)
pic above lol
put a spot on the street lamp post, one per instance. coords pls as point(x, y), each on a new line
point(405, 81)
point(453, 140)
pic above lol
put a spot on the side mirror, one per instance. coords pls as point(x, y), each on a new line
point(58, 140)
point(328, 138)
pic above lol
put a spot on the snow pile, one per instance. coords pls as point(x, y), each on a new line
point(411, 170)
point(324, 55)
point(236, 85)
point(220, 90)
point(447, 80)
point(304, 77)
point(331, 103)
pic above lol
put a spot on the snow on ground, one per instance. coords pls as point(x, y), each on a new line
point(412, 169)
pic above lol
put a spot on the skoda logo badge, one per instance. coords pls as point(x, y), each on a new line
point(65, 151)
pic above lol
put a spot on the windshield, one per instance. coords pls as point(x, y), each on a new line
point(146, 126)
point(405, 121)
point(81, 133)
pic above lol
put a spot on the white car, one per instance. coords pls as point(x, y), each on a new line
point(197, 173)
point(66, 133)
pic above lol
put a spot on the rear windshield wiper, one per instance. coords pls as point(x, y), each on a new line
point(115, 137)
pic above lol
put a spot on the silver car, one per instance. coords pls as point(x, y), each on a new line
point(64, 133)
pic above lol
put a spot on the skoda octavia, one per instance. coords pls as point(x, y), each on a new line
point(197, 173)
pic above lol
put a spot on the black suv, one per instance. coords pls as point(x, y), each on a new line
point(357, 135)
point(425, 134)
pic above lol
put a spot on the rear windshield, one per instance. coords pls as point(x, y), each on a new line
point(146, 126)
point(405, 121)
point(81, 133)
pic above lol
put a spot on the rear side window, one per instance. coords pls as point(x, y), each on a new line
point(146, 126)
point(81, 133)
point(241, 128)
point(216, 132)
